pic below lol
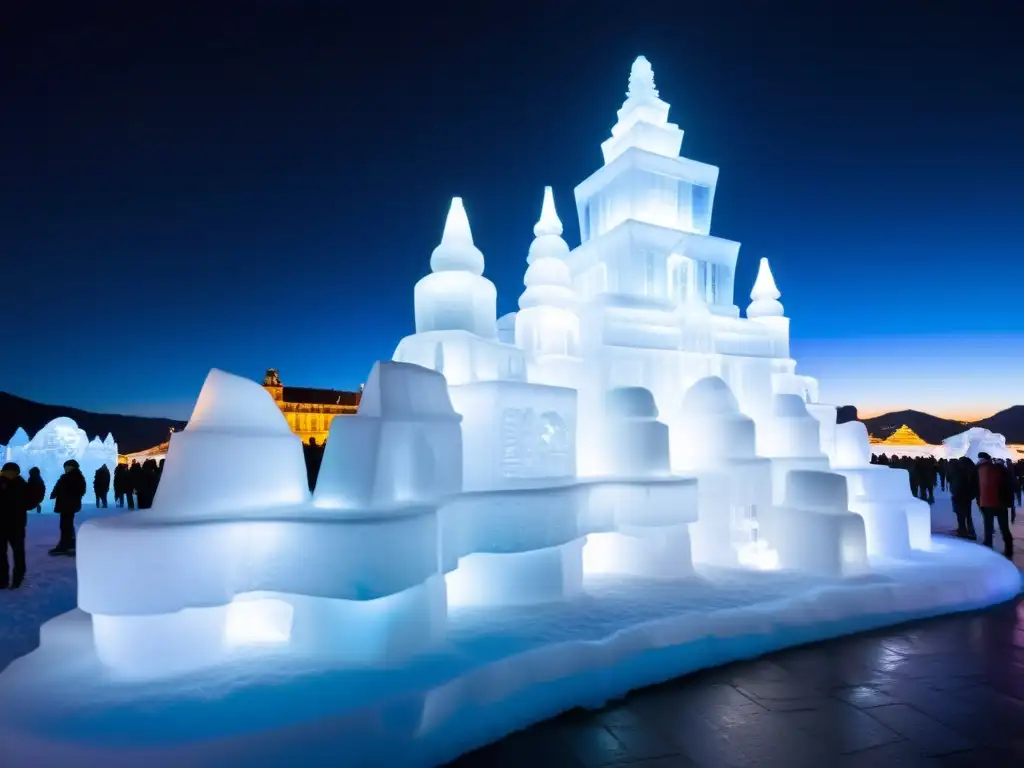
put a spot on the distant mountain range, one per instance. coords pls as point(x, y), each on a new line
point(132, 433)
point(933, 429)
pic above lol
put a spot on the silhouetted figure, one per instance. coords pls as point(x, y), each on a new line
point(927, 477)
point(145, 482)
point(67, 501)
point(36, 489)
point(940, 469)
point(118, 483)
point(101, 485)
point(1018, 472)
point(995, 497)
point(14, 506)
point(915, 478)
point(963, 489)
point(134, 477)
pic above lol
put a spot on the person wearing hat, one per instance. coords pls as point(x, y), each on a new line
point(14, 504)
point(67, 501)
point(995, 497)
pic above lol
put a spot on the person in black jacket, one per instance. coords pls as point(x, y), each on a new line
point(963, 487)
point(101, 485)
point(67, 501)
point(36, 489)
point(14, 506)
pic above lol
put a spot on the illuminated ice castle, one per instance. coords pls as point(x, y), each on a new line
point(646, 300)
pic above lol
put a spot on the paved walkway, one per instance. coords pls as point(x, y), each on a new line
point(946, 693)
point(943, 693)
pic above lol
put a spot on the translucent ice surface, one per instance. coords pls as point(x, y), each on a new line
point(236, 453)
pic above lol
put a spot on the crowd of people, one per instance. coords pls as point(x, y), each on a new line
point(134, 485)
point(994, 484)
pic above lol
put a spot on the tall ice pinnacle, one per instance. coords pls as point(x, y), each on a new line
point(549, 223)
point(547, 322)
point(765, 295)
point(641, 80)
point(456, 252)
point(643, 118)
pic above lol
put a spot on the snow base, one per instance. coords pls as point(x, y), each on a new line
point(499, 670)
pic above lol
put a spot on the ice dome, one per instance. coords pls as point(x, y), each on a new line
point(710, 395)
point(631, 403)
point(456, 252)
point(710, 427)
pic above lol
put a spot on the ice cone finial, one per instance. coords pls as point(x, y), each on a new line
point(764, 285)
point(456, 225)
point(549, 223)
point(641, 80)
point(456, 252)
point(765, 295)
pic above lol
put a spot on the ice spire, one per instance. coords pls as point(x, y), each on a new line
point(548, 281)
point(456, 252)
point(765, 295)
point(641, 80)
point(643, 118)
point(549, 223)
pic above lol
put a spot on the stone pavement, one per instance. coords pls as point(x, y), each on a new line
point(945, 693)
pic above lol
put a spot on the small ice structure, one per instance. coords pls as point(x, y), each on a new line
point(974, 441)
point(398, 449)
point(264, 566)
point(894, 521)
point(649, 509)
point(57, 442)
point(714, 441)
point(813, 530)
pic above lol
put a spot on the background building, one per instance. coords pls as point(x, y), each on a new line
point(309, 411)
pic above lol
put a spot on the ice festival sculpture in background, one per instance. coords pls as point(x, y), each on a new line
point(628, 426)
point(58, 441)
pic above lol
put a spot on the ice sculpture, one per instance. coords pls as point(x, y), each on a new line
point(57, 442)
point(974, 441)
point(894, 521)
point(277, 573)
point(626, 422)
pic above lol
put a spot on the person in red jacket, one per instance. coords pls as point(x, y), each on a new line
point(995, 497)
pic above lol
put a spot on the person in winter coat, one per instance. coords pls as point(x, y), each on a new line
point(101, 485)
point(36, 489)
point(14, 506)
point(120, 476)
point(67, 495)
point(963, 488)
point(995, 497)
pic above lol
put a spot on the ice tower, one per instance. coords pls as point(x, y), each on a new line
point(547, 326)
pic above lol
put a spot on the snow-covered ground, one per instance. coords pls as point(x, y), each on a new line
point(499, 670)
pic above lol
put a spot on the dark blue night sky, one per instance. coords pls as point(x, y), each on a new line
point(198, 188)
